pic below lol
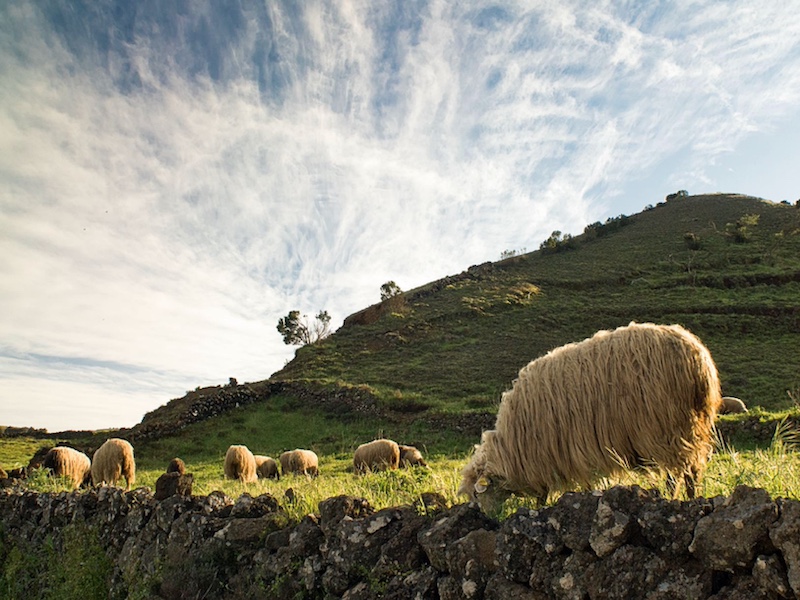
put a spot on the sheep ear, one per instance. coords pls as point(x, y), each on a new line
point(481, 485)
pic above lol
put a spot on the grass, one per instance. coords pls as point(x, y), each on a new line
point(774, 467)
point(77, 569)
point(16, 452)
point(460, 341)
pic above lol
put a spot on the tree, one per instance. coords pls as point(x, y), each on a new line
point(389, 290)
point(557, 243)
point(512, 253)
point(301, 331)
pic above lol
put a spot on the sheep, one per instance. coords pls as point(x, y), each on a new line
point(411, 457)
point(38, 457)
point(240, 464)
point(643, 395)
point(731, 405)
point(67, 462)
point(176, 465)
point(377, 455)
point(267, 467)
point(300, 462)
point(113, 461)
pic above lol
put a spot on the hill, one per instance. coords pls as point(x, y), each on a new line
point(725, 266)
point(438, 357)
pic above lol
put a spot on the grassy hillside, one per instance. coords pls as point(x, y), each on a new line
point(725, 266)
point(428, 367)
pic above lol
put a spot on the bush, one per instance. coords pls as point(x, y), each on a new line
point(78, 569)
point(740, 232)
point(558, 243)
point(692, 240)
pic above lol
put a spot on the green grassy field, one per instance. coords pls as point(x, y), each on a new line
point(774, 466)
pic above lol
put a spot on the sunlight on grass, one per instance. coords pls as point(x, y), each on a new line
point(775, 468)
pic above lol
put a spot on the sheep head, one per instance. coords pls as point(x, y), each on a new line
point(478, 484)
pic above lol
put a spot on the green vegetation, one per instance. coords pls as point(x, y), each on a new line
point(461, 341)
point(440, 356)
point(16, 452)
point(76, 568)
point(774, 467)
point(301, 330)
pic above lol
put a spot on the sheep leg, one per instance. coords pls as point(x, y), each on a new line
point(690, 479)
point(672, 486)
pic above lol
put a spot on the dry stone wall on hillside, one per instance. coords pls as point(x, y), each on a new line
point(623, 543)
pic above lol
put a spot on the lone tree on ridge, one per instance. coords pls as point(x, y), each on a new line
point(301, 331)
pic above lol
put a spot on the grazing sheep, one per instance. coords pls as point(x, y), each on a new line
point(731, 405)
point(377, 455)
point(267, 467)
point(176, 465)
point(300, 462)
point(240, 464)
point(639, 396)
point(38, 457)
point(411, 457)
point(67, 462)
point(113, 461)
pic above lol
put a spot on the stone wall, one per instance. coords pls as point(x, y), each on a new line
point(623, 543)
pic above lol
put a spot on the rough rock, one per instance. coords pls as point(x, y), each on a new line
point(730, 537)
point(172, 484)
point(529, 547)
point(448, 528)
point(785, 535)
point(620, 543)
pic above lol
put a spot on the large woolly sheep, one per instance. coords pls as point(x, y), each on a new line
point(411, 457)
point(731, 405)
point(240, 464)
point(377, 455)
point(267, 467)
point(639, 396)
point(63, 461)
point(300, 462)
point(112, 461)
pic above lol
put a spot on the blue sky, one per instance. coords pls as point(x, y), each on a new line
point(175, 177)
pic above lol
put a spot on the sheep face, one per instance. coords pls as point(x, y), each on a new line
point(487, 492)
point(478, 484)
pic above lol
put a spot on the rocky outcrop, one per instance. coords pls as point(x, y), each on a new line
point(622, 543)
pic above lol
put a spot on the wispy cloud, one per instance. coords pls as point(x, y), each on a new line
point(172, 183)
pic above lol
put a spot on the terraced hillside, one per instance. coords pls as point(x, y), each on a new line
point(725, 266)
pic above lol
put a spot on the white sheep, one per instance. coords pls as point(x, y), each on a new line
point(639, 396)
point(113, 461)
point(377, 455)
point(240, 464)
point(300, 462)
point(70, 463)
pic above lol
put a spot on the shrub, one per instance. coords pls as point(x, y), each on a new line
point(692, 240)
point(739, 232)
point(558, 242)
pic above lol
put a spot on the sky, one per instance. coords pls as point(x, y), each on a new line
point(177, 176)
